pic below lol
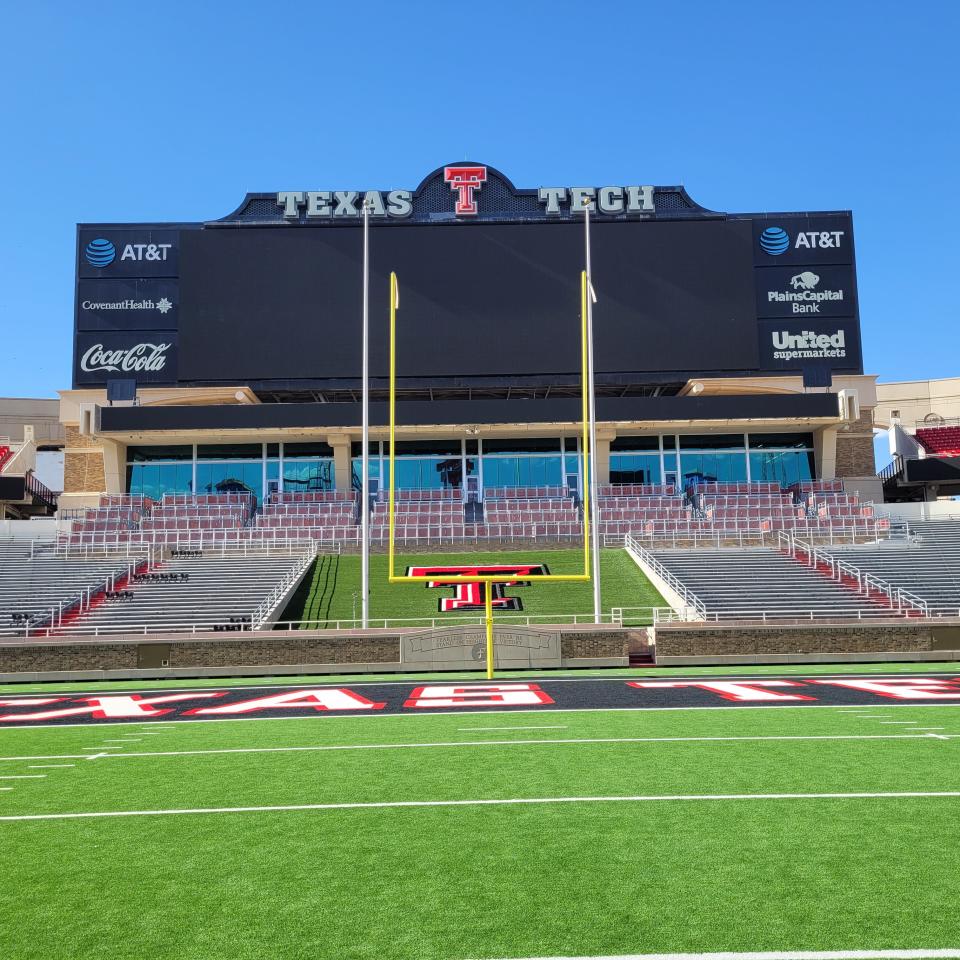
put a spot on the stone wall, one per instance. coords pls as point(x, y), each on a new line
point(82, 463)
point(759, 641)
point(855, 447)
point(180, 655)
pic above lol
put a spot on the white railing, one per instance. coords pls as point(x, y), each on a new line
point(689, 598)
point(643, 616)
point(792, 615)
point(868, 584)
point(276, 596)
point(193, 540)
point(221, 624)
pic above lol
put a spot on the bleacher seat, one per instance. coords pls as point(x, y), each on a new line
point(940, 441)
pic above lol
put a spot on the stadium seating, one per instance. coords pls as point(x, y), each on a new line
point(708, 512)
point(762, 583)
point(940, 441)
point(202, 593)
point(39, 590)
point(927, 565)
point(5, 454)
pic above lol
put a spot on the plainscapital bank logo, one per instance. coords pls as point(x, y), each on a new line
point(100, 252)
point(808, 345)
point(804, 297)
point(143, 356)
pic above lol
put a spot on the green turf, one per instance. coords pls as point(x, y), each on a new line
point(331, 589)
point(950, 667)
point(570, 879)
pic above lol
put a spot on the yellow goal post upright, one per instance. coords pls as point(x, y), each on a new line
point(489, 579)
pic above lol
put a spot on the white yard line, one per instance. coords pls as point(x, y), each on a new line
point(565, 741)
point(49, 766)
point(515, 801)
point(466, 729)
point(794, 955)
point(26, 776)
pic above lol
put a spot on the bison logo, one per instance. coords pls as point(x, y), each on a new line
point(804, 281)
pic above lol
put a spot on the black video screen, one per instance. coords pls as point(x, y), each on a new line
point(284, 303)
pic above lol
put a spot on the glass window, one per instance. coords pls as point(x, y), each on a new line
point(308, 475)
point(522, 471)
point(712, 441)
point(152, 454)
point(767, 441)
point(635, 443)
point(230, 451)
point(634, 468)
point(237, 477)
point(784, 466)
point(313, 450)
point(713, 467)
point(427, 448)
point(155, 479)
point(526, 445)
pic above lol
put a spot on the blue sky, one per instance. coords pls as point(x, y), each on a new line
point(173, 111)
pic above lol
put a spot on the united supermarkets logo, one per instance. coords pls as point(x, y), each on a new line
point(776, 240)
point(803, 295)
point(808, 345)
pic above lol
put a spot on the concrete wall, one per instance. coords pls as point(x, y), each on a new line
point(261, 652)
point(42, 414)
point(683, 643)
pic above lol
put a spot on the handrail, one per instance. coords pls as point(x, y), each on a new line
point(55, 631)
point(867, 583)
point(269, 603)
point(688, 596)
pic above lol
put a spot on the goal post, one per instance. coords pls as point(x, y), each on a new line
point(487, 580)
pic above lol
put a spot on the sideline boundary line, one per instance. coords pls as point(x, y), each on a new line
point(514, 801)
point(565, 741)
point(788, 955)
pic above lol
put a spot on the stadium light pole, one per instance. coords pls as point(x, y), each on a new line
point(365, 439)
point(592, 401)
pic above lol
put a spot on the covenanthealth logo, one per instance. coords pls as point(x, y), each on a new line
point(808, 345)
point(100, 253)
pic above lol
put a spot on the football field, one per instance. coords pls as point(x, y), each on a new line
point(331, 590)
point(555, 817)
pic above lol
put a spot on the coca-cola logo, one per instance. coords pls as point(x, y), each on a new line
point(143, 356)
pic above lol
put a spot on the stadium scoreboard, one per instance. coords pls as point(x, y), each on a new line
point(270, 295)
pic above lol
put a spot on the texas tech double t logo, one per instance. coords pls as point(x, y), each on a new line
point(464, 181)
point(470, 596)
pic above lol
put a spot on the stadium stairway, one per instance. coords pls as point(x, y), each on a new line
point(927, 565)
point(761, 583)
point(39, 589)
point(222, 593)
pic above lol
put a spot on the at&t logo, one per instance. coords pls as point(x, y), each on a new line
point(776, 240)
point(101, 253)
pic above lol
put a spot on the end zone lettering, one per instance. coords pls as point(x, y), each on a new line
point(376, 699)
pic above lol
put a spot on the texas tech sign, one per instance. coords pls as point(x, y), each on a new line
point(469, 191)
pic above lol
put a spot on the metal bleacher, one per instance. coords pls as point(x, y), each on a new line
point(39, 589)
point(927, 564)
point(222, 593)
point(760, 583)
